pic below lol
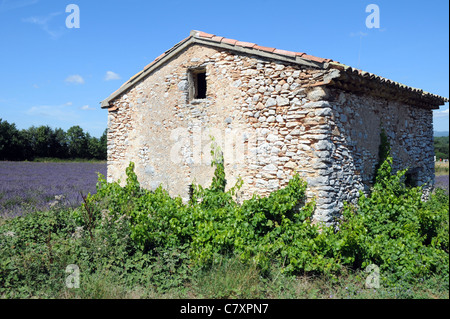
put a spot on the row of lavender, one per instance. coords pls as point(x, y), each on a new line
point(442, 182)
point(29, 186)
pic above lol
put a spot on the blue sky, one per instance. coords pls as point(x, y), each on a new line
point(56, 76)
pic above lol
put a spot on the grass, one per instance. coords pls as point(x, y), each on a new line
point(36, 249)
point(441, 168)
point(232, 280)
point(68, 160)
point(105, 273)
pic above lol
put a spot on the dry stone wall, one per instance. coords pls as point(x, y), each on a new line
point(271, 120)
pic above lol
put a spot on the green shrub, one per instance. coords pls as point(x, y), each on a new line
point(212, 224)
point(395, 230)
point(35, 250)
point(392, 227)
point(142, 238)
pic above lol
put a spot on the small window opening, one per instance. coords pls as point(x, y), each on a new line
point(412, 178)
point(201, 86)
point(197, 84)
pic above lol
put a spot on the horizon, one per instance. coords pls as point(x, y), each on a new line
point(57, 76)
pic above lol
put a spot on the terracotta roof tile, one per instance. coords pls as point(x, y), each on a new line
point(216, 38)
point(258, 47)
point(253, 46)
point(229, 41)
point(149, 65)
point(284, 52)
point(245, 44)
point(313, 58)
point(160, 56)
point(205, 35)
point(135, 76)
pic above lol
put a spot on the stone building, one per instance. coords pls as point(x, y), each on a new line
point(274, 113)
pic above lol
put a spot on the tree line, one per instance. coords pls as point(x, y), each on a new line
point(43, 141)
point(441, 147)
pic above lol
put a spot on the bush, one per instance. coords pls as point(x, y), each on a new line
point(213, 224)
point(147, 238)
point(35, 250)
point(394, 229)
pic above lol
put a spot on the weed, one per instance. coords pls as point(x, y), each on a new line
point(129, 242)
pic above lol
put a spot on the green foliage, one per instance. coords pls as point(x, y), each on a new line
point(213, 224)
point(45, 142)
point(36, 249)
point(394, 229)
point(229, 278)
point(133, 237)
point(383, 151)
point(11, 141)
point(441, 147)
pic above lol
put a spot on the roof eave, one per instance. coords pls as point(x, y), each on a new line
point(341, 77)
point(347, 76)
point(148, 69)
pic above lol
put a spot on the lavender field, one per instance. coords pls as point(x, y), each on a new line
point(441, 181)
point(29, 186)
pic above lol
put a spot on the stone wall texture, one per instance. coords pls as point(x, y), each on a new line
point(271, 119)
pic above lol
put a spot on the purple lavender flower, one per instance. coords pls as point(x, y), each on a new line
point(442, 182)
point(29, 186)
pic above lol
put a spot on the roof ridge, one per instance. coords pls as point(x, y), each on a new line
point(201, 37)
point(212, 37)
point(219, 39)
point(366, 74)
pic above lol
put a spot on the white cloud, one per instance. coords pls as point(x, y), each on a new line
point(62, 112)
point(76, 79)
point(359, 34)
point(110, 75)
point(87, 107)
point(440, 114)
point(44, 24)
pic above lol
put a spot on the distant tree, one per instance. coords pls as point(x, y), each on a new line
point(59, 144)
point(104, 145)
point(9, 142)
point(43, 141)
point(77, 142)
point(94, 148)
point(441, 147)
point(26, 148)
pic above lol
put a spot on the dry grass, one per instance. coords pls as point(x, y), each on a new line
point(441, 168)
